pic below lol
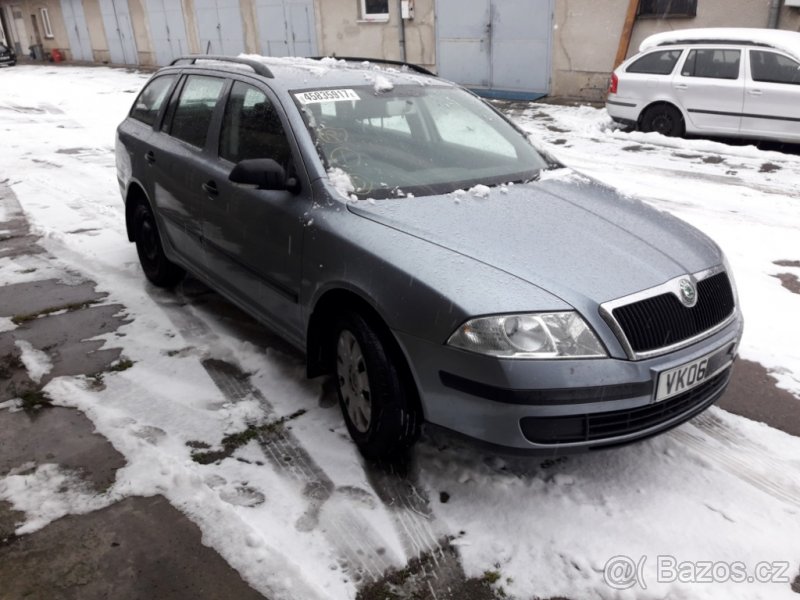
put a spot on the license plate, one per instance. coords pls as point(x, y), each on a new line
point(690, 375)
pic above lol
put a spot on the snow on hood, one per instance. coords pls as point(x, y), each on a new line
point(577, 240)
point(787, 41)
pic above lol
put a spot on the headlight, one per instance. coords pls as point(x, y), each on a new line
point(535, 335)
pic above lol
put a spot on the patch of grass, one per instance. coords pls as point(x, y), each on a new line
point(123, 364)
point(491, 577)
point(25, 318)
point(232, 442)
point(34, 400)
point(198, 445)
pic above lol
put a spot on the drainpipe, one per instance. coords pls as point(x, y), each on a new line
point(774, 14)
point(402, 30)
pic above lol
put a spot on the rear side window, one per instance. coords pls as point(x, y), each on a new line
point(195, 108)
point(251, 127)
point(655, 63)
point(715, 63)
point(149, 102)
point(769, 67)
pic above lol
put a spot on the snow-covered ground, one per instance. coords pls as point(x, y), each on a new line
point(296, 511)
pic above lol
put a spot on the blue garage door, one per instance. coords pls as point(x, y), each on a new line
point(119, 32)
point(219, 26)
point(286, 27)
point(79, 43)
point(500, 48)
point(167, 30)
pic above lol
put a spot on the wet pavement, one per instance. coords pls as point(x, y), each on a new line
point(135, 548)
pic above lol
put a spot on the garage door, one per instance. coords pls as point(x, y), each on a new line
point(500, 48)
point(119, 32)
point(286, 27)
point(219, 27)
point(167, 30)
point(79, 43)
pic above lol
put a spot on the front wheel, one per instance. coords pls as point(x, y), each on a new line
point(155, 264)
point(377, 402)
point(664, 119)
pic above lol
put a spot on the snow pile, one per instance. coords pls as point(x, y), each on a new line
point(47, 493)
point(480, 191)
point(342, 183)
point(37, 363)
point(381, 84)
point(6, 324)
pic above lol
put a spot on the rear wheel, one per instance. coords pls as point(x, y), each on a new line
point(664, 119)
point(377, 402)
point(155, 264)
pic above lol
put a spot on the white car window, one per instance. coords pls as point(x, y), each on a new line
point(713, 63)
point(661, 62)
point(769, 67)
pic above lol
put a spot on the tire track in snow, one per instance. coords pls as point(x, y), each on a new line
point(352, 537)
point(716, 442)
point(330, 508)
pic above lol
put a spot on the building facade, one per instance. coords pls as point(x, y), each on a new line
point(503, 48)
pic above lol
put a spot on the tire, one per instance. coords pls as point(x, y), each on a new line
point(377, 402)
point(664, 119)
point(156, 266)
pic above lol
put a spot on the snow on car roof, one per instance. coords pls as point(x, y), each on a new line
point(787, 41)
point(336, 70)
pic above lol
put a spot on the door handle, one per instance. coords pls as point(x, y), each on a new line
point(211, 188)
point(150, 157)
point(755, 92)
point(681, 86)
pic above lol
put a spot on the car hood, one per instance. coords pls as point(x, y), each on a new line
point(569, 235)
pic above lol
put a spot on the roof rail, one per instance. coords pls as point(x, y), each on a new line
point(259, 67)
point(397, 63)
point(710, 41)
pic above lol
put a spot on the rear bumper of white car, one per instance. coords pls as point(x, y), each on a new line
point(623, 110)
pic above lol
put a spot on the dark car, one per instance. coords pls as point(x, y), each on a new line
point(7, 56)
point(411, 241)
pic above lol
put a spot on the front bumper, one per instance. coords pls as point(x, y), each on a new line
point(559, 406)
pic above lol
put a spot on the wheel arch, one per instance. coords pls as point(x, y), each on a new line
point(134, 196)
point(662, 102)
point(320, 346)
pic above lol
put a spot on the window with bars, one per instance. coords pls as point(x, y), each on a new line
point(665, 9)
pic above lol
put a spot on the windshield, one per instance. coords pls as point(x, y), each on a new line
point(415, 140)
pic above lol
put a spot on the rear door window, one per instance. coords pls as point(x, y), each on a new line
point(769, 67)
point(149, 102)
point(655, 63)
point(712, 63)
point(195, 107)
point(252, 128)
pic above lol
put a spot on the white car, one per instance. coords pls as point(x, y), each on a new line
point(716, 82)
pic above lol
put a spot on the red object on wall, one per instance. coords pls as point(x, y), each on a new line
point(56, 54)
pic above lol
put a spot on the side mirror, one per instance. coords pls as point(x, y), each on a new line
point(265, 174)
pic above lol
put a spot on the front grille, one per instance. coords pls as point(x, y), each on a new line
point(605, 425)
point(663, 320)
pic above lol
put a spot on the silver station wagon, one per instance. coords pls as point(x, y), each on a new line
point(413, 243)
point(713, 82)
